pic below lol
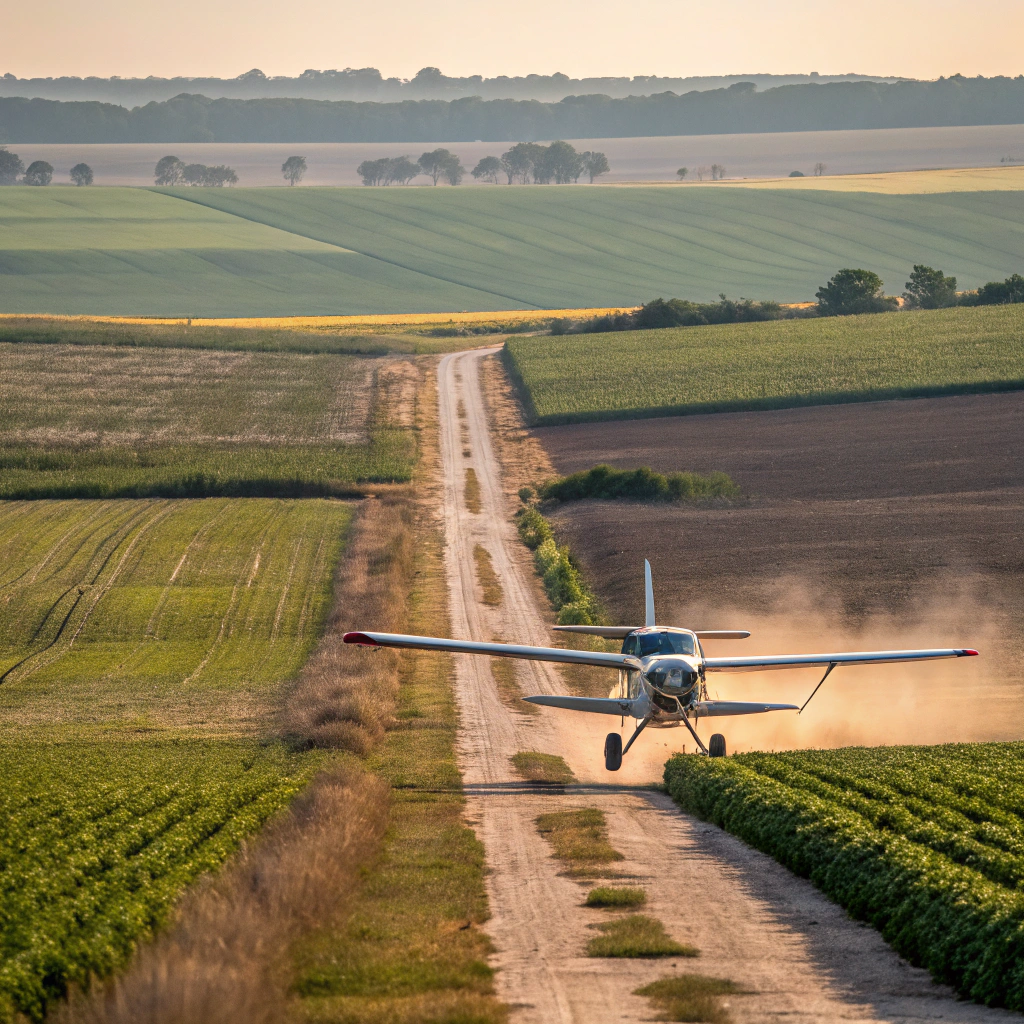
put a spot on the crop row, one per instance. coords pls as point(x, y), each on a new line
point(98, 839)
point(926, 844)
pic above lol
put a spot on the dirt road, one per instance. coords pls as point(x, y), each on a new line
point(797, 955)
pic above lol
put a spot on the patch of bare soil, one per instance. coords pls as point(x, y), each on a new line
point(887, 524)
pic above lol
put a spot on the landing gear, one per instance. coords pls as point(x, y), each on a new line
point(716, 745)
point(613, 752)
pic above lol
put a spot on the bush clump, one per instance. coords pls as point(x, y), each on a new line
point(643, 484)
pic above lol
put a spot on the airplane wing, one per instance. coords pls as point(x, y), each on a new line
point(769, 661)
point(721, 708)
point(595, 705)
point(431, 643)
point(621, 632)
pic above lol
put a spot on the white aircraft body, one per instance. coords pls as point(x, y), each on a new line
point(662, 672)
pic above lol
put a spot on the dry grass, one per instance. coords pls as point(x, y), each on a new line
point(225, 958)
point(690, 997)
point(341, 699)
point(636, 936)
point(607, 897)
point(486, 576)
point(472, 492)
point(536, 767)
point(580, 838)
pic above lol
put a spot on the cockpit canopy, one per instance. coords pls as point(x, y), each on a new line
point(644, 642)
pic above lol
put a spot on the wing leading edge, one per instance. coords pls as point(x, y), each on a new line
point(763, 662)
point(555, 654)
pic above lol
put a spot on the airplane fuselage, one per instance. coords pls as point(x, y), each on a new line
point(671, 680)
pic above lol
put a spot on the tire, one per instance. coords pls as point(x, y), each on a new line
point(613, 752)
point(716, 745)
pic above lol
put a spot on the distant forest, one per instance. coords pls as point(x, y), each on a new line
point(370, 84)
point(738, 108)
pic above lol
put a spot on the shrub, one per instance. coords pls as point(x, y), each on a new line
point(853, 291)
point(644, 484)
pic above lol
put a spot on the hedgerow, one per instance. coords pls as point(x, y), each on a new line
point(924, 844)
point(571, 597)
point(644, 483)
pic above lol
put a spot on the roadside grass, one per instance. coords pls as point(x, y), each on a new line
point(768, 365)
point(506, 679)
point(413, 950)
point(579, 838)
point(472, 492)
point(144, 422)
point(607, 896)
point(536, 767)
point(490, 585)
point(152, 617)
point(636, 936)
point(690, 997)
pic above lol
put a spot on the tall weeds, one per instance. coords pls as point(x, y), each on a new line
point(225, 959)
point(339, 699)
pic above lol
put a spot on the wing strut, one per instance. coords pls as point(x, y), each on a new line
point(831, 665)
point(639, 729)
point(693, 733)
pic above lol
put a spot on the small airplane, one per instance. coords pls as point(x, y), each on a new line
point(662, 672)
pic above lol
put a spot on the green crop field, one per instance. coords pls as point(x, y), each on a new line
point(143, 648)
point(924, 843)
point(280, 251)
point(110, 421)
point(768, 365)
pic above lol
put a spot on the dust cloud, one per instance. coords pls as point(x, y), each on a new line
point(962, 699)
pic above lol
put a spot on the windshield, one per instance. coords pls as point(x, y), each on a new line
point(665, 643)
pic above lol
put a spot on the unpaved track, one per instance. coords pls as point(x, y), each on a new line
point(799, 956)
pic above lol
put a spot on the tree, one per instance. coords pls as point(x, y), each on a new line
point(168, 170)
point(703, 172)
point(453, 170)
point(39, 172)
point(219, 176)
point(436, 163)
point(293, 169)
point(683, 172)
point(819, 169)
point(929, 289)
point(853, 291)
point(595, 164)
point(10, 167)
point(999, 293)
point(488, 168)
point(717, 172)
point(797, 174)
point(373, 172)
point(519, 162)
point(402, 170)
point(81, 174)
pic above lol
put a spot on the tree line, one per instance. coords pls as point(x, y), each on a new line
point(736, 109)
point(524, 163)
point(847, 293)
point(14, 172)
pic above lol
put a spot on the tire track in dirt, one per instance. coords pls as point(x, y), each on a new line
point(799, 955)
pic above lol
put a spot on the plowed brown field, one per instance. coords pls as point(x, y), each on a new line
point(889, 524)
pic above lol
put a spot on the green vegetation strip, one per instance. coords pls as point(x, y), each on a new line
point(97, 840)
point(768, 365)
point(924, 843)
point(642, 484)
point(608, 896)
point(690, 997)
point(580, 839)
point(572, 599)
point(536, 767)
point(636, 936)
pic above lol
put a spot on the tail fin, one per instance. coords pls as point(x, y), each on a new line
point(648, 595)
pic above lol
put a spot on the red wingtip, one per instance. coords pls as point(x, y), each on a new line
point(358, 638)
point(970, 654)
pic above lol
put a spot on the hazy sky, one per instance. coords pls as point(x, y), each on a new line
point(918, 38)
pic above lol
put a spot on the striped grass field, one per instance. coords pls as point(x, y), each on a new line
point(768, 365)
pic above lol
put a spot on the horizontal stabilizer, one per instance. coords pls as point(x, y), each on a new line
point(722, 708)
point(760, 663)
point(527, 653)
point(608, 632)
point(595, 705)
point(722, 634)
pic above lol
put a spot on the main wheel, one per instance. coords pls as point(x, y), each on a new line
point(613, 752)
point(716, 745)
